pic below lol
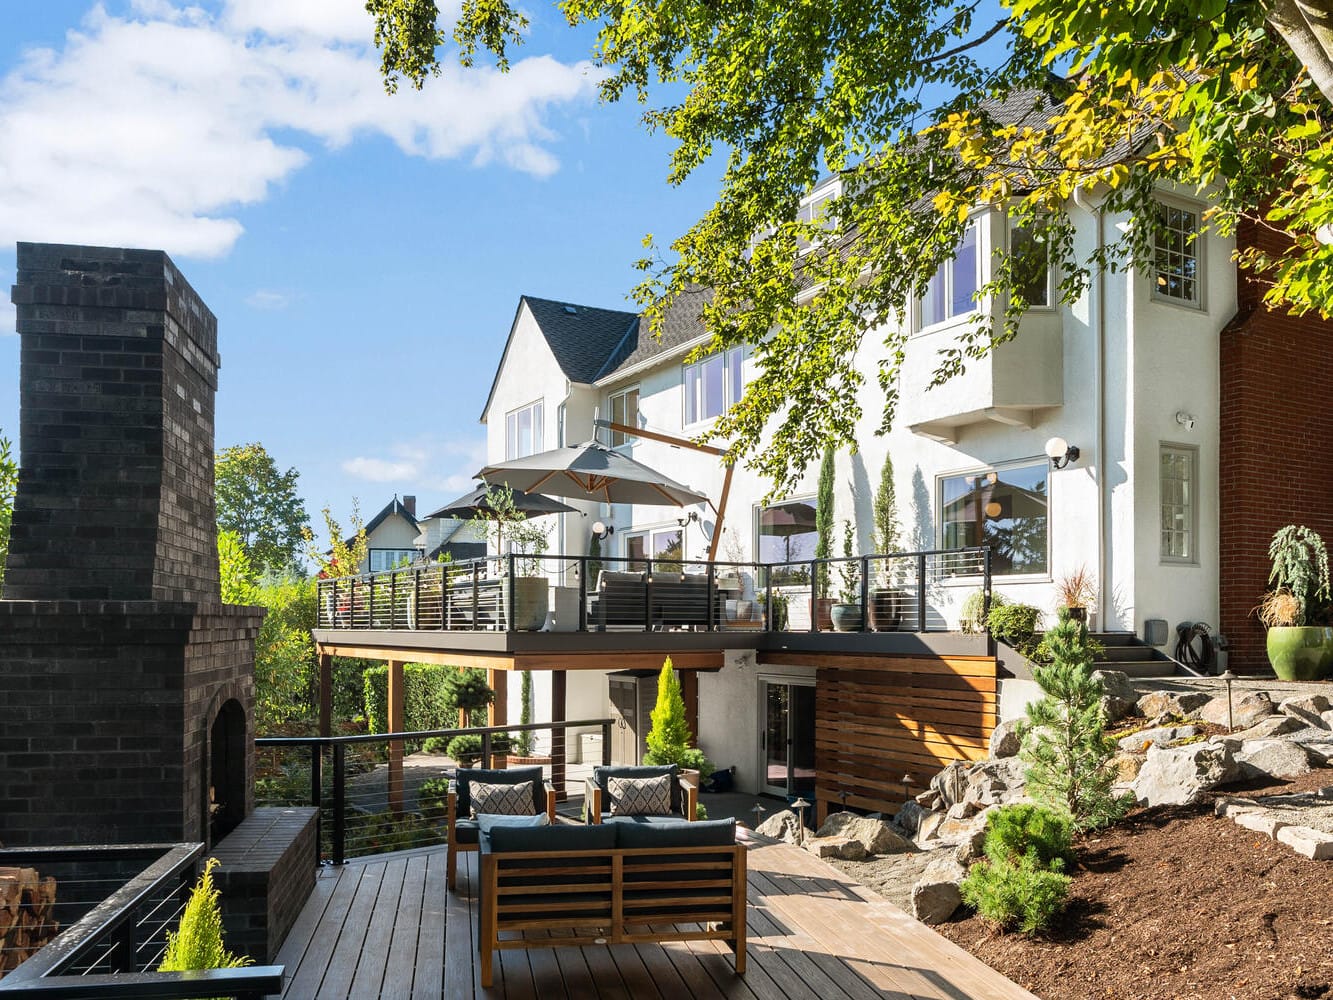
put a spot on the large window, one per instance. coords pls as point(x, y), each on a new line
point(1178, 476)
point(1176, 254)
point(713, 384)
point(786, 537)
point(1031, 266)
point(624, 409)
point(665, 547)
point(523, 431)
point(382, 559)
point(951, 290)
point(1004, 508)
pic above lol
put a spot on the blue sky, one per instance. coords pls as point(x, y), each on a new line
point(364, 254)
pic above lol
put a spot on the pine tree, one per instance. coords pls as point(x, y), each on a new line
point(669, 737)
point(1065, 745)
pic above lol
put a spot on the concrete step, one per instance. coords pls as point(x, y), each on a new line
point(1126, 654)
point(1139, 668)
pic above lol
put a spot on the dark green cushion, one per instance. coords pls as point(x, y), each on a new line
point(649, 820)
point(706, 833)
point(465, 831)
point(602, 775)
point(562, 837)
point(500, 776)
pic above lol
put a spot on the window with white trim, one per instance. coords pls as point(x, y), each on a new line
point(1179, 473)
point(713, 385)
point(953, 287)
point(1176, 254)
point(665, 547)
point(623, 408)
point(523, 431)
point(1030, 266)
point(1005, 508)
point(384, 559)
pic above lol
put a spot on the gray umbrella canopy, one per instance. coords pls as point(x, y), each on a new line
point(591, 471)
point(477, 504)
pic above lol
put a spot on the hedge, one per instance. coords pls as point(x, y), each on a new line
point(426, 703)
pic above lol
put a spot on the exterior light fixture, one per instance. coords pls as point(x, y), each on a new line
point(601, 529)
point(692, 516)
point(758, 811)
point(1061, 452)
point(800, 805)
point(1186, 420)
point(993, 509)
point(1228, 676)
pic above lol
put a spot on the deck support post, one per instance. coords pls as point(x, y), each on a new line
point(325, 694)
point(497, 713)
point(558, 714)
point(396, 725)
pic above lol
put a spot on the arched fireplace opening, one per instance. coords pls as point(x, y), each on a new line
point(226, 773)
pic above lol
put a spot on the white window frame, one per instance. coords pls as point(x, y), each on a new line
point(537, 431)
point(649, 536)
point(944, 273)
point(398, 554)
point(731, 394)
point(619, 439)
point(979, 472)
point(1049, 304)
point(1190, 505)
point(1187, 250)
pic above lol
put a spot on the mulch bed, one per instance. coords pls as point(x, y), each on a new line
point(1176, 904)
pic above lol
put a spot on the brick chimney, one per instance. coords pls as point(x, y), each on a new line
point(410, 505)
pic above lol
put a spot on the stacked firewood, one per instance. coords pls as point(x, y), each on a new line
point(26, 921)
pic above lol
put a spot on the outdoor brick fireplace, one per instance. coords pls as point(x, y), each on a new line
point(127, 686)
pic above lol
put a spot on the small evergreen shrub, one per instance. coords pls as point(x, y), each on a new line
point(1023, 828)
point(436, 744)
point(669, 738)
point(699, 811)
point(465, 747)
point(468, 691)
point(1021, 884)
point(427, 700)
point(197, 943)
point(431, 797)
point(1015, 624)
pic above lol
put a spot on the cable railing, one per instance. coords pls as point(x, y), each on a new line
point(116, 904)
point(878, 593)
point(385, 792)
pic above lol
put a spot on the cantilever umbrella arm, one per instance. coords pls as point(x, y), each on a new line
point(721, 507)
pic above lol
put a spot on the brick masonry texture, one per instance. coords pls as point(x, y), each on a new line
point(1276, 436)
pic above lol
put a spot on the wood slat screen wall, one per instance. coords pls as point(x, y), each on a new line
point(878, 718)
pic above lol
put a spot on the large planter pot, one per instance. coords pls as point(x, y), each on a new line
point(847, 617)
point(823, 613)
point(532, 600)
point(885, 609)
point(1301, 652)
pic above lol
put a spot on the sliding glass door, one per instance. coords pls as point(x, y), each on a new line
point(787, 738)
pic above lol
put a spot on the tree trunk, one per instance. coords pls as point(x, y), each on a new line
point(1307, 27)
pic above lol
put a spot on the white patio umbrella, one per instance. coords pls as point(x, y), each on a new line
point(591, 471)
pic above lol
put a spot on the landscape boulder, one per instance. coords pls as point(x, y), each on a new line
point(780, 826)
point(1161, 736)
point(908, 818)
point(1308, 709)
point(1127, 767)
point(874, 835)
point(1119, 696)
point(950, 783)
point(1246, 711)
point(1177, 776)
point(1176, 703)
point(1272, 759)
point(936, 895)
point(839, 848)
point(995, 783)
point(1004, 741)
point(1274, 725)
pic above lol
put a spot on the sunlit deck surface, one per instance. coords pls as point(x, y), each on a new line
point(386, 927)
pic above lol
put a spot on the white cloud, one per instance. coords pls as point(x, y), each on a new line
point(379, 470)
point(428, 464)
point(265, 298)
point(151, 129)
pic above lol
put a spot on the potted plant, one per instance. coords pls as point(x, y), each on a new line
point(1299, 649)
point(526, 595)
point(821, 603)
point(886, 602)
point(847, 614)
point(1077, 591)
point(778, 610)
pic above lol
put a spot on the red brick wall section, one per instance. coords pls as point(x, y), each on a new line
point(1276, 444)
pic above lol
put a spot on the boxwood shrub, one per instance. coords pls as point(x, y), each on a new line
point(427, 703)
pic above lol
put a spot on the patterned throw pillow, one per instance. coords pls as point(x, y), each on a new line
point(501, 800)
point(640, 796)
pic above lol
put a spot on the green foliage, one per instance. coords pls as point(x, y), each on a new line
point(467, 690)
point(523, 742)
point(503, 521)
point(849, 570)
point(436, 744)
point(1021, 884)
point(1300, 567)
point(669, 736)
point(197, 943)
point(260, 506)
point(972, 615)
point(286, 665)
point(465, 748)
point(432, 797)
point(700, 811)
point(240, 582)
point(1065, 747)
point(885, 514)
point(893, 96)
point(427, 701)
point(594, 563)
point(781, 604)
point(824, 522)
point(1015, 624)
point(9, 481)
point(694, 759)
point(345, 553)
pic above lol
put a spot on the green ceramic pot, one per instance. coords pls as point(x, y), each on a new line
point(846, 617)
point(1301, 652)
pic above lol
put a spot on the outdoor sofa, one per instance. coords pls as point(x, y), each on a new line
point(599, 806)
point(464, 830)
point(610, 884)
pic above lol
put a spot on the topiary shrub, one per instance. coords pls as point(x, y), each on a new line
point(465, 749)
point(436, 744)
point(427, 701)
point(432, 796)
point(1021, 884)
point(197, 943)
point(1015, 624)
point(468, 691)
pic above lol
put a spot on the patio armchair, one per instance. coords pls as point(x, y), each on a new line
point(463, 828)
point(600, 808)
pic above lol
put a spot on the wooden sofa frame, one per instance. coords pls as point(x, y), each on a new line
point(454, 848)
point(689, 800)
point(612, 911)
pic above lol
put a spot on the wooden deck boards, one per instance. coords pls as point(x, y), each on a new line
point(386, 927)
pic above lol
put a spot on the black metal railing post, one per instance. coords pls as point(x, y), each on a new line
point(508, 612)
point(317, 788)
point(606, 743)
point(765, 573)
point(648, 597)
point(486, 750)
point(415, 617)
point(712, 598)
point(370, 610)
point(476, 601)
point(584, 582)
point(814, 591)
point(865, 593)
point(339, 805)
point(921, 592)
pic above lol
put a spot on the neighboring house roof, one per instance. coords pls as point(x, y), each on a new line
point(394, 506)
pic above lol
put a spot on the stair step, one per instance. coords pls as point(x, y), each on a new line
point(1116, 639)
point(1140, 668)
point(1124, 654)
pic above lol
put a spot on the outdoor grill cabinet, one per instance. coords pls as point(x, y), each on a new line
point(610, 884)
point(597, 800)
point(464, 830)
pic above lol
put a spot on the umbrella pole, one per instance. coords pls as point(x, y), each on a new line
point(721, 515)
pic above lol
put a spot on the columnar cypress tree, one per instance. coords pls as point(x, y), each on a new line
point(1064, 739)
point(525, 713)
point(824, 522)
point(669, 737)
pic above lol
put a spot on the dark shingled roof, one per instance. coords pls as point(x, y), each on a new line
point(681, 325)
point(582, 337)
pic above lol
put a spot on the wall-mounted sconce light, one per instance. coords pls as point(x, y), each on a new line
point(692, 516)
point(1186, 420)
point(994, 509)
point(1061, 452)
point(601, 529)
